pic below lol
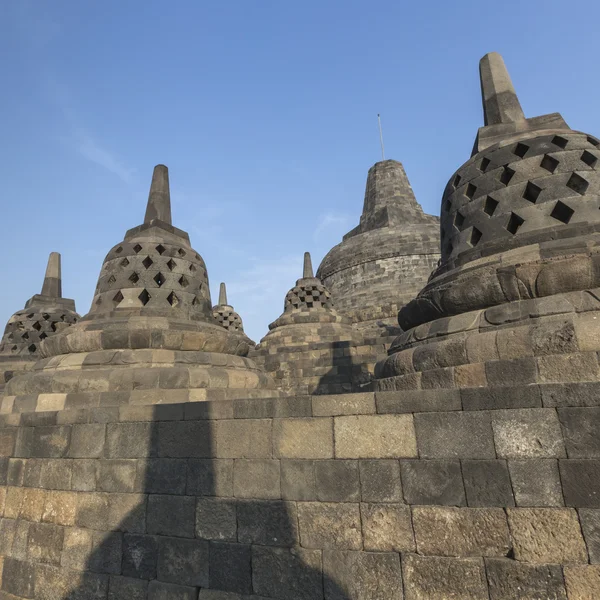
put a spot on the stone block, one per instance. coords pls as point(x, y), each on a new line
point(140, 556)
point(272, 523)
point(528, 433)
point(465, 532)
point(511, 372)
point(564, 368)
point(116, 475)
point(470, 376)
point(337, 480)
point(18, 578)
point(590, 524)
point(581, 482)
point(299, 573)
point(216, 519)
point(162, 475)
point(547, 535)
point(487, 483)
point(583, 582)
point(510, 580)
point(60, 508)
point(343, 404)
point(329, 525)
point(410, 401)
point(51, 442)
point(380, 480)
point(256, 478)
point(441, 578)
point(514, 342)
point(4, 470)
point(106, 553)
point(77, 547)
point(127, 588)
point(586, 393)
point(87, 441)
point(303, 438)
point(375, 436)
point(171, 515)
point(438, 379)
point(433, 482)
point(298, 480)
point(126, 512)
point(242, 438)
point(15, 472)
point(170, 591)
point(362, 575)
point(62, 583)
point(581, 429)
point(536, 482)
point(130, 440)
point(44, 543)
point(83, 475)
point(494, 398)
point(32, 504)
point(455, 435)
point(183, 561)
point(23, 443)
point(231, 567)
point(210, 477)
point(92, 511)
point(387, 527)
point(184, 439)
point(13, 502)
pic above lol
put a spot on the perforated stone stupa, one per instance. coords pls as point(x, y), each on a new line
point(515, 298)
point(150, 336)
point(224, 313)
point(383, 262)
point(44, 315)
point(311, 348)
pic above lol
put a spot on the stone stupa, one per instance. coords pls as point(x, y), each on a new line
point(150, 336)
point(44, 315)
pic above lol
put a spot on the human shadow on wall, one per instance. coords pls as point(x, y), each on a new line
point(186, 530)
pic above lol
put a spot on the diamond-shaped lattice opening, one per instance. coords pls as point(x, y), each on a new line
point(183, 282)
point(456, 181)
point(485, 163)
point(578, 184)
point(134, 278)
point(53, 326)
point(192, 269)
point(559, 141)
point(475, 236)
point(532, 192)
point(119, 250)
point(514, 223)
point(490, 205)
point(118, 297)
point(161, 249)
point(25, 336)
point(37, 326)
point(470, 191)
point(198, 257)
point(159, 278)
point(144, 297)
point(43, 336)
point(32, 348)
point(506, 175)
point(45, 316)
point(195, 301)
point(172, 299)
point(589, 159)
point(521, 150)
point(147, 262)
point(181, 252)
point(171, 264)
point(562, 212)
point(124, 262)
point(459, 221)
point(593, 141)
point(30, 315)
point(14, 348)
point(549, 163)
point(111, 280)
point(137, 248)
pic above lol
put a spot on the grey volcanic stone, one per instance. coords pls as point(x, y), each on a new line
point(380, 481)
point(487, 483)
point(127, 588)
point(536, 482)
point(337, 480)
point(433, 482)
point(140, 556)
point(171, 515)
point(183, 561)
point(231, 567)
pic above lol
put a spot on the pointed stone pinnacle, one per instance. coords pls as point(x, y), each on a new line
point(308, 269)
point(52, 281)
point(500, 101)
point(222, 295)
point(159, 199)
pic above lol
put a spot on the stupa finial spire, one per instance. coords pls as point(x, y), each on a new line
point(159, 199)
point(222, 295)
point(500, 101)
point(308, 269)
point(53, 281)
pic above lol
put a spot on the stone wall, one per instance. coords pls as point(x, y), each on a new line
point(430, 494)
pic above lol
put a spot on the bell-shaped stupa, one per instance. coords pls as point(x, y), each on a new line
point(516, 297)
point(311, 348)
point(383, 262)
point(224, 313)
point(44, 315)
point(150, 336)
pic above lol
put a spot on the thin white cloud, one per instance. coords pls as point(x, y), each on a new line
point(331, 220)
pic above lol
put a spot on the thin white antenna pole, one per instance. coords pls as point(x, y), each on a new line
point(381, 137)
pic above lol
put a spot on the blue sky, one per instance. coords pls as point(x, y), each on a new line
point(265, 113)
